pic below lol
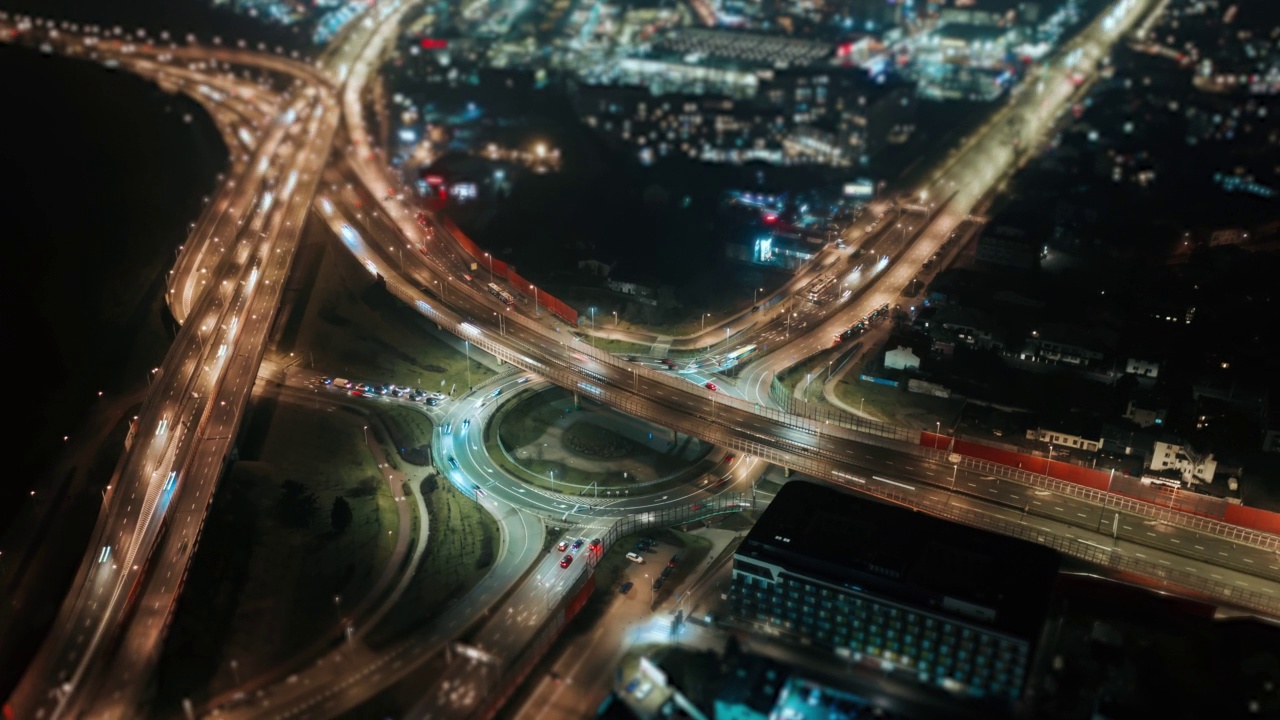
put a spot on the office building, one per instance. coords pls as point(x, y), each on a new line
point(894, 590)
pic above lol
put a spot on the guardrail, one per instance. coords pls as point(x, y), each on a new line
point(909, 442)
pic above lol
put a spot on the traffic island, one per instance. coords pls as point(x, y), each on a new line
point(545, 439)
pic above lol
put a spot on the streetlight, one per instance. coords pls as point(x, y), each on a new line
point(615, 318)
point(593, 326)
point(490, 266)
point(366, 436)
point(467, 347)
point(536, 311)
point(502, 323)
point(704, 321)
point(754, 294)
point(553, 479)
point(937, 435)
point(1049, 463)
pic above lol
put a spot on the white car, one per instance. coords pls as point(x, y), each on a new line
point(635, 558)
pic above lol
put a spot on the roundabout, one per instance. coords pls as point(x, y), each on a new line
point(547, 438)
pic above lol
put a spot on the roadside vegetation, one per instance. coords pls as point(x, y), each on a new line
point(280, 565)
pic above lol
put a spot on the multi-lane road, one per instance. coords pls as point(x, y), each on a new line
point(226, 287)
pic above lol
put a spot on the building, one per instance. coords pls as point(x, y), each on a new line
point(1009, 247)
point(901, 359)
point(1142, 369)
point(965, 325)
point(895, 591)
point(1078, 345)
point(1085, 437)
point(1146, 410)
point(1171, 454)
point(750, 688)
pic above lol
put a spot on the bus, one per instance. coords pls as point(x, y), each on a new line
point(739, 355)
point(821, 289)
point(501, 294)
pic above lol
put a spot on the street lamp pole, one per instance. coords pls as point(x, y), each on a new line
point(490, 257)
point(593, 326)
point(366, 436)
point(704, 321)
point(467, 347)
point(754, 295)
point(937, 435)
point(615, 318)
point(536, 311)
point(553, 479)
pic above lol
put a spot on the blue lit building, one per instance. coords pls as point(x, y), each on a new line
point(895, 591)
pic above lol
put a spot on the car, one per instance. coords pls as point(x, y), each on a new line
point(667, 361)
point(626, 588)
point(453, 462)
point(595, 543)
point(711, 386)
point(578, 543)
point(466, 423)
point(643, 691)
point(631, 686)
point(523, 380)
point(657, 584)
point(563, 545)
point(326, 381)
point(495, 393)
point(365, 388)
point(672, 562)
point(566, 561)
point(432, 401)
point(447, 427)
point(648, 541)
point(755, 308)
point(729, 458)
point(666, 572)
point(641, 547)
point(635, 558)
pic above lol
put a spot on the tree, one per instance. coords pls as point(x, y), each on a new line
point(297, 504)
point(340, 515)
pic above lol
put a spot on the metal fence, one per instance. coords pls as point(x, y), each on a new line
point(908, 441)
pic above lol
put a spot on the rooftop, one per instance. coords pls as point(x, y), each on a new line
point(859, 543)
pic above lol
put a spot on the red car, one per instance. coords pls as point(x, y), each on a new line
point(711, 386)
point(729, 458)
point(564, 545)
point(566, 561)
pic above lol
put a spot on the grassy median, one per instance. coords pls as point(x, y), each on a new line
point(271, 577)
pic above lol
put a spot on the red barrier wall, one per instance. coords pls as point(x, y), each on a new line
point(1131, 487)
point(487, 265)
point(1253, 518)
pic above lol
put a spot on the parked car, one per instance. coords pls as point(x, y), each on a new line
point(626, 588)
point(635, 558)
point(672, 562)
